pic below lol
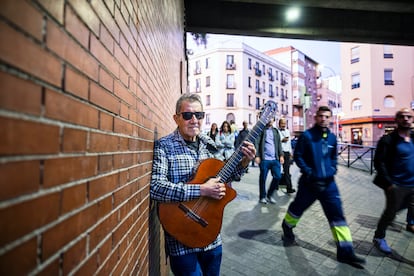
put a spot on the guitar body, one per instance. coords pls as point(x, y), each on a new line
point(200, 224)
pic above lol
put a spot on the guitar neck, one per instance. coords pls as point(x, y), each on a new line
point(237, 156)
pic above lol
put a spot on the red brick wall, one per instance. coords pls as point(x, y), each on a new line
point(85, 88)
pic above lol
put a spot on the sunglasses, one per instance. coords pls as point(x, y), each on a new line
point(189, 115)
point(403, 116)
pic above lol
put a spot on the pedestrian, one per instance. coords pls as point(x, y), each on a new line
point(287, 154)
point(213, 131)
point(269, 156)
point(241, 137)
point(316, 156)
point(175, 158)
point(394, 162)
point(225, 142)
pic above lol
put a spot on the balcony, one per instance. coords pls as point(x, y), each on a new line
point(271, 77)
point(197, 71)
point(230, 66)
point(283, 82)
point(388, 82)
point(258, 72)
point(355, 85)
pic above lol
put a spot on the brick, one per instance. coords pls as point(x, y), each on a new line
point(104, 206)
point(14, 89)
point(76, 83)
point(55, 8)
point(100, 142)
point(105, 163)
point(102, 186)
point(123, 160)
point(14, 135)
point(66, 230)
point(106, 121)
point(24, 15)
point(65, 47)
point(73, 197)
point(22, 218)
point(76, 28)
point(86, 13)
point(102, 231)
point(122, 92)
point(105, 57)
point(89, 267)
point(106, 39)
point(62, 170)
point(73, 256)
point(105, 249)
point(124, 110)
point(16, 183)
point(106, 16)
point(28, 56)
point(74, 140)
point(122, 126)
point(106, 80)
point(123, 144)
point(62, 107)
point(104, 99)
point(25, 253)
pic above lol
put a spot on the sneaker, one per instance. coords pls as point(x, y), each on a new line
point(382, 245)
point(263, 201)
point(271, 200)
point(351, 259)
point(291, 191)
point(288, 236)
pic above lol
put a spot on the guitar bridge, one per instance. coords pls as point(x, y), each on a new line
point(190, 213)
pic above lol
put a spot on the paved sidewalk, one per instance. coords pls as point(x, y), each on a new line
point(252, 232)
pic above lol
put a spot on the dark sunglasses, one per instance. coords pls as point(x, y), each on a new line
point(403, 116)
point(189, 115)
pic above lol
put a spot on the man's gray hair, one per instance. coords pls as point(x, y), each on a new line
point(187, 97)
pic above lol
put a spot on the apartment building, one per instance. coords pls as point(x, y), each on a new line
point(377, 80)
point(329, 95)
point(234, 80)
point(304, 85)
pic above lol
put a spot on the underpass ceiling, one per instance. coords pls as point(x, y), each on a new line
point(364, 21)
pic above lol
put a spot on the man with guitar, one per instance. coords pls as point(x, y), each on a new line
point(190, 194)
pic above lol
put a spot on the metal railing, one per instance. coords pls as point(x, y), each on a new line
point(356, 156)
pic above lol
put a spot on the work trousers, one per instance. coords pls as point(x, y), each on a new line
point(396, 199)
point(286, 177)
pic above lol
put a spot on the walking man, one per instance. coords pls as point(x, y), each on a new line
point(287, 154)
point(316, 156)
point(394, 162)
point(269, 156)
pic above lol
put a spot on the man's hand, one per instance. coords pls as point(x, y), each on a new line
point(213, 188)
point(249, 153)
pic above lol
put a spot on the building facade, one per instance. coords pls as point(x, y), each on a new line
point(304, 85)
point(377, 80)
point(235, 80)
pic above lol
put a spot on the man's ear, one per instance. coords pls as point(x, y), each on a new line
point(176, 118)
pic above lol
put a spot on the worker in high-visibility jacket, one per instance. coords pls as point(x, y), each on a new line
point(316, 156)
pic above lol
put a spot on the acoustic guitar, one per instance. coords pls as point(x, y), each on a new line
point(197, 223)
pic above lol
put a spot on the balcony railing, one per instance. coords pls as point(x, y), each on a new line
point(230, 66)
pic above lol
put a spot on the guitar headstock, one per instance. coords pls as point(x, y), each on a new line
point(268, 111)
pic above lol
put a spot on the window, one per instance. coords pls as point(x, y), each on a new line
point(356, 105)
point(249, 63)
point(250, 119)
point(388, 77)
point(257, 103)
point(230, 99)
point(355, 79)
point(208, 100)
point(207, 63)
point(257, 86)
point(197, 69)
point(277, 91)
point(271, 91)
point(230, 82)
point(388, 51)
point(249, 81)
point(389, 102)
point(230, 62)
point(208, 119)
point(198, 85)
point(355, 54)
point(263, 87)
point(207, 81)
point(250, 100)
point(264, 69)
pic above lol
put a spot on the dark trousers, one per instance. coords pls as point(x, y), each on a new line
point(286, 177)
point(396, 198)
point(274, 167)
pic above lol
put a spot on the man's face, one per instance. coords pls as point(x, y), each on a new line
point(270, 123)
point(322, 118)
point(404, 120)
point(245, 124)
point(189, 129)
point(282, 125)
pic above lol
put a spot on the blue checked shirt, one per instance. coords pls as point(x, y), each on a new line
point(173, 165)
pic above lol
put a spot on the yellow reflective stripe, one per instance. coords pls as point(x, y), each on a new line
point(341, 234)
point(291, 221)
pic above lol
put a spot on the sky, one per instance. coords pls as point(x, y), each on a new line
point(323, 52)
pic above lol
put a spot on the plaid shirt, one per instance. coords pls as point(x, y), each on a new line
point(174, 164)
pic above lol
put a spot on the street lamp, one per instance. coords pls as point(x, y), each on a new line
point(321, 66)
